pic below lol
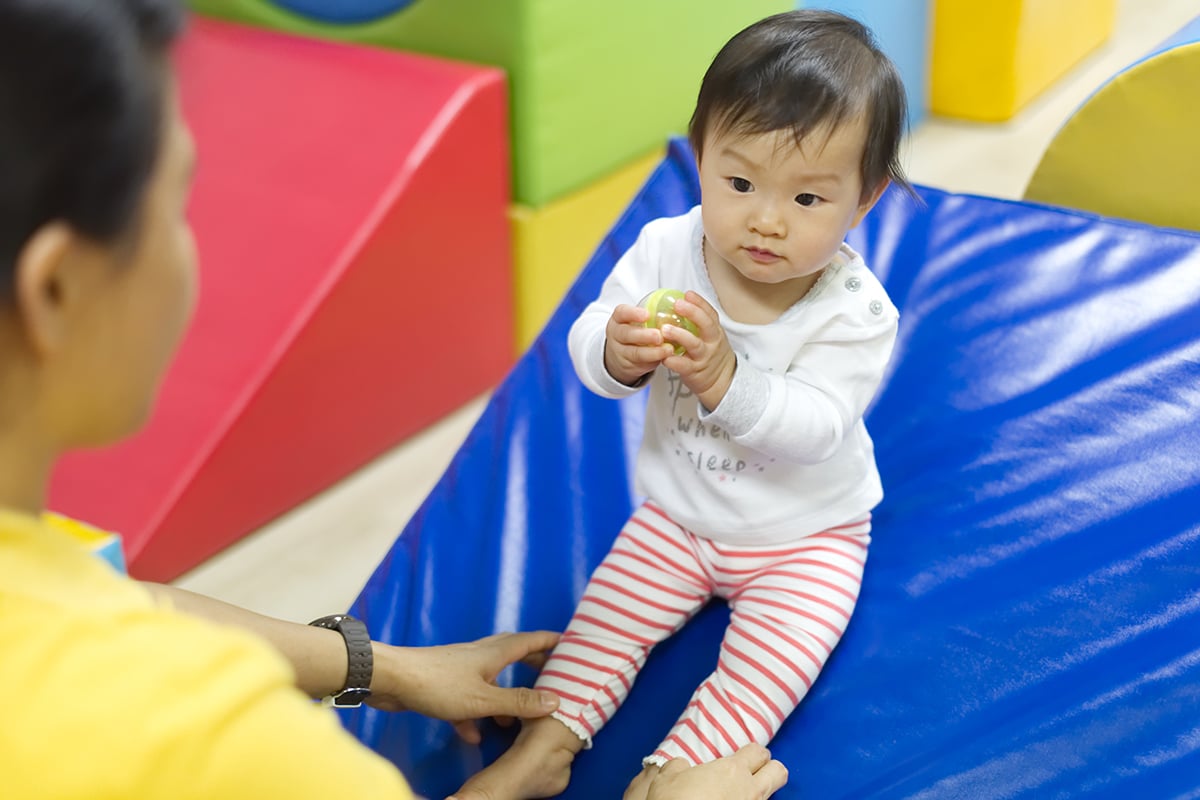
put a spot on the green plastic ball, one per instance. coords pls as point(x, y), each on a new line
point(661, 305)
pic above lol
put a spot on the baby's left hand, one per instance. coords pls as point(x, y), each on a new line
point(708, 363)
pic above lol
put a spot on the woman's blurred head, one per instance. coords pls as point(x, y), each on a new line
point(97, 265)
point(82, 89)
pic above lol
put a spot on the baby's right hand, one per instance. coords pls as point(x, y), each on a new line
point(632, 350)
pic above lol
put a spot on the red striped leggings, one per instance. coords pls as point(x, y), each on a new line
point(789, 606)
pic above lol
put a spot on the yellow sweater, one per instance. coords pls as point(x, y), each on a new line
point(107, 695)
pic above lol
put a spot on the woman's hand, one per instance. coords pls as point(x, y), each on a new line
point(748, 774)
point(457, 682)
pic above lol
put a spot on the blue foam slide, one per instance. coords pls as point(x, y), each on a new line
point(1029, 624)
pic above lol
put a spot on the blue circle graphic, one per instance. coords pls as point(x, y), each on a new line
point(344, 12)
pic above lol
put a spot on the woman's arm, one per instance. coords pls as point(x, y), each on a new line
point(318, 655)
point(454, 682)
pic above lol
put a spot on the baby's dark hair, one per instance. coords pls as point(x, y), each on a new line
point(800, 70)
point(81, 99)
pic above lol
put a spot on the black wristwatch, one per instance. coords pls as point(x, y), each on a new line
point(360, 660)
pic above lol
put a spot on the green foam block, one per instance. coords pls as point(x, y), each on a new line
point(594, 85)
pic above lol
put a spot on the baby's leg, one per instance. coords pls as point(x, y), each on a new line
point(790, 606)
point(646, 588)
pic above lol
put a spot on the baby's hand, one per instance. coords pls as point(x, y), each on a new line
point(632, 350)
point(708, 362)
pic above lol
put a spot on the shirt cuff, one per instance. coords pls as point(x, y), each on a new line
point(744, 403)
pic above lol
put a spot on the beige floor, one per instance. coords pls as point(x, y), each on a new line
point(315, 560)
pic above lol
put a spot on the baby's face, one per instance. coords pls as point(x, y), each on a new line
point(776, 212)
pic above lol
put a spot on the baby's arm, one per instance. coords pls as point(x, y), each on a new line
point(804, 415)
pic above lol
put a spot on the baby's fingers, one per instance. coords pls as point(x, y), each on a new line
point(627, 327)
point(625, 314)
point(687, 340)
point(698, 310)
point(637, 336)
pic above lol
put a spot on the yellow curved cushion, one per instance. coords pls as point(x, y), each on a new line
point(1130, 151)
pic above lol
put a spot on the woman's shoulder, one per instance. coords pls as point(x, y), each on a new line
point(141, 695)
point(112, 641)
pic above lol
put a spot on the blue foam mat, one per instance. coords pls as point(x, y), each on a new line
point(1029, 624)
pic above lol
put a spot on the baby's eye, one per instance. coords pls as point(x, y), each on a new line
point(741, 185)
point(807, 199)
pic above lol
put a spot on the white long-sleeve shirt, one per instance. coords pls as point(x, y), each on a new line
point(785, 454)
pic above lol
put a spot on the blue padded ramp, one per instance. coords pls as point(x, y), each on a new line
point(1029, 624)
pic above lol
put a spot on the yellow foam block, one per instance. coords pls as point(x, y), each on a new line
point(554, 242)
point(991, 57)
point(1130, 150)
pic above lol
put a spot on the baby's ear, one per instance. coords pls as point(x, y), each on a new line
point(869, 200)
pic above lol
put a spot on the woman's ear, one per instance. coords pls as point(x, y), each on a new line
point(42, 270)
point(869, 201)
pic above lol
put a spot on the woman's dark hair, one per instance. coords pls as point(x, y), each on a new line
point(800, 70)
point(81, 100)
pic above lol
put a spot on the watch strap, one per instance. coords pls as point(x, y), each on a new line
point(360, 659)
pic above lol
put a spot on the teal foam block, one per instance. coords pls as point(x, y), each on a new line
point(902, 29)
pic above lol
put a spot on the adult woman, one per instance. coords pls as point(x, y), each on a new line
point(119, 689)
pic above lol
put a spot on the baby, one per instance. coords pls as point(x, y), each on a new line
point(758, 471)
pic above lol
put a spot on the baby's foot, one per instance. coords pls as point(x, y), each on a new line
point(537, 765)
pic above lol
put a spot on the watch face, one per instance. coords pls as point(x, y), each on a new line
point(350, 698)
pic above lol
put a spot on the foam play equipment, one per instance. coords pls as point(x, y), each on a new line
point(1027, 623)
point(902, 29)
point(1129, 150)
point(991, 58)
point(553, 243)
point(105, 545)
point(594, 85)
point(350, 208)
